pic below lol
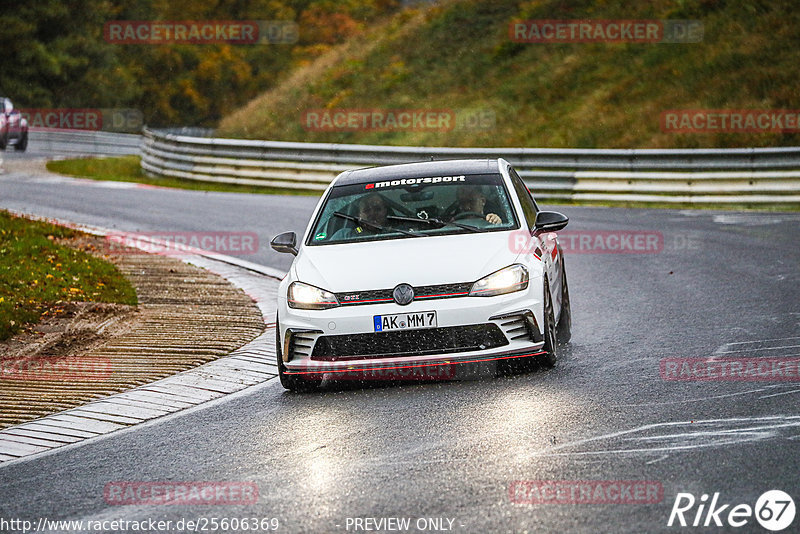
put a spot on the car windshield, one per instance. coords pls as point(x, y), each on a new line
point(413, 207)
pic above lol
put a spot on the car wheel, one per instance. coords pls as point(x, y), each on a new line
point(291, 382)
point(22, 144)
point(564, 326)
point(548, 359)
point(3, 140)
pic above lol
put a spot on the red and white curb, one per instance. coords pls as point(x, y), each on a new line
point(246, 367)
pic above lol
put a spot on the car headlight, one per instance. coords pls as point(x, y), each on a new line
point(508, 280)
point(308, 297)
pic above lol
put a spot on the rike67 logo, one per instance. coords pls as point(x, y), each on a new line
point(774, 510)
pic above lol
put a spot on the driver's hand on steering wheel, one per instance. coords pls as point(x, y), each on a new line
point(493, 218)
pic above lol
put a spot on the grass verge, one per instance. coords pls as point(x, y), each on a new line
point(128, 169)
point(38, 274)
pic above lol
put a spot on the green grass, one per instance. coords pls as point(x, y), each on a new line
point(37, 274)
point(458, 55)
point(128, 169)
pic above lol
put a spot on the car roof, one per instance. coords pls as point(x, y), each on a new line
point(419, 170)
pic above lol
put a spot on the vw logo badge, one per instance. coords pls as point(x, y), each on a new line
point(403, 294)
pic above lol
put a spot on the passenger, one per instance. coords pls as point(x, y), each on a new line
point(372, 209)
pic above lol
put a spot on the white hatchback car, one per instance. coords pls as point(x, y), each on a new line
point(422, 266)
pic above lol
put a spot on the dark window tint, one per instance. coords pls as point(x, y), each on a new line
point(528, 206)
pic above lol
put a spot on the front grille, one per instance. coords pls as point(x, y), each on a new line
point(378, 296)
point(375, 296)
point(409, 342)
point(442, 291)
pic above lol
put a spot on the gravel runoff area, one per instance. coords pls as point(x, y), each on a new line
point(187, 316)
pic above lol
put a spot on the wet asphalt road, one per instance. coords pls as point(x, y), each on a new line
point(724, 283)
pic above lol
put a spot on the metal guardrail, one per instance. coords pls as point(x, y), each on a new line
point(83, 142)
point(747, 175)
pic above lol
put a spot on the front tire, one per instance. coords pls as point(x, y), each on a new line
point(550, 356)
point(299, 383)
point(564, 326)
point(22, 144)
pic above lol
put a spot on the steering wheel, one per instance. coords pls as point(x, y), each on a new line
point(469, 215)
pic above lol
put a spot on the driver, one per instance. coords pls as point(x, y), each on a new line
point(472, 199)
point(373, 208)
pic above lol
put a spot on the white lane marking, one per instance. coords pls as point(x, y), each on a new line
point(760, 348)
point(753, 342)
point(697, 399)
point(766, 427)
point(779, 394)
point(748, 219)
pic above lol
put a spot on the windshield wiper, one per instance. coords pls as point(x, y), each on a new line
point(364, 222)
point(440, 223)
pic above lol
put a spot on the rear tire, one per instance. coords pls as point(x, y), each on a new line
point(299, 383)
point(550, 348)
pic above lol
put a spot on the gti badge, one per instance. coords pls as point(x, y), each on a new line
point(403, 294)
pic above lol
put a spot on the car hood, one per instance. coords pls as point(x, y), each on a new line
point(417, 261)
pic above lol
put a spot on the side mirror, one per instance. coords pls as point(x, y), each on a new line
point(285, 242)
point(550, 221)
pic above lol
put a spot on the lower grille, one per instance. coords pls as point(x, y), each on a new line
point(519, 325)
point(300, 344)
point(409, 342)
point(515, 328)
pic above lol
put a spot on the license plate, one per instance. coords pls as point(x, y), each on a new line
point(404, 321)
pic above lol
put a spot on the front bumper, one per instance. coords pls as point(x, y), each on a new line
point(512, 324)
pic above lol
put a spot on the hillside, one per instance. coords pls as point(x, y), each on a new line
point(458, 56)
